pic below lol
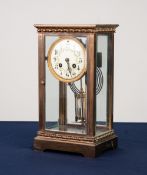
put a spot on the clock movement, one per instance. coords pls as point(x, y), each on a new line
point(76, 88)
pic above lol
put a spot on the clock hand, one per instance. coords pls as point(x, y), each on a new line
point(68, 65)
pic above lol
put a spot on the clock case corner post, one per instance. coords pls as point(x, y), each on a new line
point(62, 103)
point(91, 85)
point(110, 80)
point(41, 81)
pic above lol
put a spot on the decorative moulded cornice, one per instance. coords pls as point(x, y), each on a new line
point(89, 28)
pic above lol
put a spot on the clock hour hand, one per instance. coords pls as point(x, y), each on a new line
point(68, 65)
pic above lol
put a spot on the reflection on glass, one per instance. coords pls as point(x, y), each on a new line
point(51, 90)
point(101, 83)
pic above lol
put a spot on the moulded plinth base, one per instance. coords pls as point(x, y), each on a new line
point(43, 143)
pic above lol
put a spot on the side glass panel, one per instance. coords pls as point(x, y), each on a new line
point(65, 105)
point(51, 90)
point(101, 83)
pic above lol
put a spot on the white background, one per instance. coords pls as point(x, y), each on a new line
point(18, 52)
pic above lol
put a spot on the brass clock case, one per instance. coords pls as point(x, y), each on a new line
point(76, 116)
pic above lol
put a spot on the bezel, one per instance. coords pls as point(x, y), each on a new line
point(61, 38)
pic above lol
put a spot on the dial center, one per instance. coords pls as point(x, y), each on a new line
point(67, 59)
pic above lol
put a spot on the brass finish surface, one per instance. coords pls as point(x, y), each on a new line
point(41, 71)
point(91, 86)
point(62, 103)
point(76, 28)
point(86, 147)
point(76, 137)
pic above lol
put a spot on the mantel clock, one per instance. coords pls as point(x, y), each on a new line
point(76, 88)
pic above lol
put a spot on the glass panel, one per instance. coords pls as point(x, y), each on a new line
point(66, 101)
point(51, 90)
point(76, 111)
point(101, 83)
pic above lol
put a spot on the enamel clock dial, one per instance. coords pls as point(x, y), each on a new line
point(67, 59)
